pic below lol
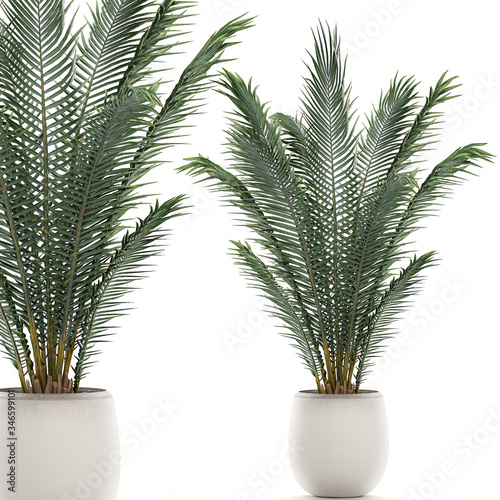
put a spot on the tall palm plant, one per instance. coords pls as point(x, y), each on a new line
point(332, 208)
point(81, 123)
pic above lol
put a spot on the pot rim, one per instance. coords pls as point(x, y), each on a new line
point(85, 393)
point(314, 394)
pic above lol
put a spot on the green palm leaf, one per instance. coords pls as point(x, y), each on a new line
point(332, 209)
point(81, 122)
point(285, 308)
point(125, 266)
point(390, 305)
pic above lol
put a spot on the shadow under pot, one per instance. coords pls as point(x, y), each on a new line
point(58, 446)
point(340, 442)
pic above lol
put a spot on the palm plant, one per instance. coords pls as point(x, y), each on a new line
point(81, 123)
point(332, 208)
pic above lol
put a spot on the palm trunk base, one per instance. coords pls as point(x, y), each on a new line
point(345, 388)
point(63, 385)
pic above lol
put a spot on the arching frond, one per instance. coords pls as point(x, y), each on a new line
point(81, 122)
point(332, 209)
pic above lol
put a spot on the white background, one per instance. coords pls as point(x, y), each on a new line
point(199, 343)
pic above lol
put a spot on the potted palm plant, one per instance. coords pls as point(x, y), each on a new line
point(332, 209)
point(81, 124)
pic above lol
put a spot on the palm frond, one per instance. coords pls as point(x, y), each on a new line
point(13, 341)
point(158, 40)
point(284, 307)
point(125, 266)
point(387, 126)
point(390, 305)
point(184, 99)
point(332, 209)
point(439, 184)
point(81, 122)
point(116, 28)
point(263, 164)
point(426, 124)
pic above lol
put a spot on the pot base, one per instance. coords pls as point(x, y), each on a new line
point(60, 446)
point(341, 441)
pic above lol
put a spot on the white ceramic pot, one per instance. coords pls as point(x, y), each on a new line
point(340, 442)
point(58, 446)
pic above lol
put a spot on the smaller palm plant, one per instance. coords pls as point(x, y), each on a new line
point(81, 122)
point(333, 208)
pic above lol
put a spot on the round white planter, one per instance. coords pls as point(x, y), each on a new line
point(340, 442)
point(58, 446)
